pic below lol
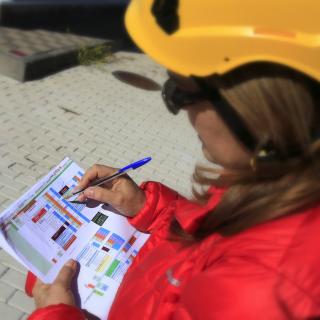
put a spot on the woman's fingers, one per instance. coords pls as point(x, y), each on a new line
point(66, 274)
point(37, 286)
point(122, 193)
point(100, 194)
point(57, 292)
point(95, 172)
point(81, 197)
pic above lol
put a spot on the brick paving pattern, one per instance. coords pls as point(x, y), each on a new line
point(88, 115)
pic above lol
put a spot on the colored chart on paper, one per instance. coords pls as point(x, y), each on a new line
point(95, 255)
point(44, 225)
point(101, 234)
point(115, 241)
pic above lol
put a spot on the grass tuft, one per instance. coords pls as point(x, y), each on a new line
point(95, 55)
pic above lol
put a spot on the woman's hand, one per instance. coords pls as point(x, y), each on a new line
point(122, 193)
point(57, 292)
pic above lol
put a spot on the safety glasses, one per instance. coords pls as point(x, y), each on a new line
point(176, 99)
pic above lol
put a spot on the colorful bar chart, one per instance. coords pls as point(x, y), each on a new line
point(129, 244)
point(101, 234)
point(64, 237)
point(76, 179)
point(65, 213)
point(68, 205)
point(115, 241)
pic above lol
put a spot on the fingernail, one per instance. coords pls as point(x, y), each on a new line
point(81, 197)
point(76, 189)
point(71, 263)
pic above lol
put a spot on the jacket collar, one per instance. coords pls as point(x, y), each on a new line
point(189, 213)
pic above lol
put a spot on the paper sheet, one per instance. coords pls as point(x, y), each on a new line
point(42, 231)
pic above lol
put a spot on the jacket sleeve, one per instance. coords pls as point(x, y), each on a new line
point(159, 206)
point(243, 291)
point(57, 312)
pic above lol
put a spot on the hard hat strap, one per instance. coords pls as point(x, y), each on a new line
point(228, 114)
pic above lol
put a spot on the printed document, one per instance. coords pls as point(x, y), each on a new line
point(43, 231)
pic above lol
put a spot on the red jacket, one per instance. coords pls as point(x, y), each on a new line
point(271, 271)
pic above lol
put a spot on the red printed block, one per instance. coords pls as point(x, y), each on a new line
point(69, 243)
point(39, 215)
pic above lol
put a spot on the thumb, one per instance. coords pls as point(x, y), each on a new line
point(99, 194)
point(66, 274)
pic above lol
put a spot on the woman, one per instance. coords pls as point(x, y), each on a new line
point(249, 80)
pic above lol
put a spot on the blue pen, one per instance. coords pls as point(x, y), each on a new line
point(120, 172)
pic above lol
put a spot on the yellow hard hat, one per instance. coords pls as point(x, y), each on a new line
point(205, 37)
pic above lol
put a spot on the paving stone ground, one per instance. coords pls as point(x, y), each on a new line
point(88, 115)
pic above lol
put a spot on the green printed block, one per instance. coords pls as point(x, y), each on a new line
point(112, 267)
point(98, 293)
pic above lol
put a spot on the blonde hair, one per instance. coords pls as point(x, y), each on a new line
point(280, 107)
